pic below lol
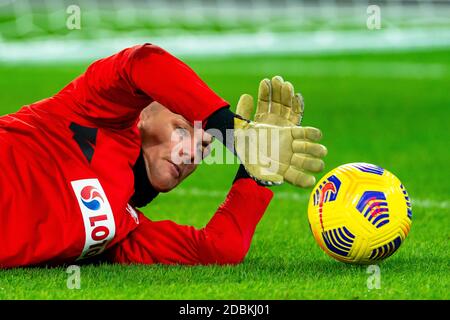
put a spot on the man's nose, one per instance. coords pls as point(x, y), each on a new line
point(188, 151)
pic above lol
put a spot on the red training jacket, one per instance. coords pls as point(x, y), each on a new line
point(66, 171)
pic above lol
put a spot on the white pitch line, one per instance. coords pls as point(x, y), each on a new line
point(292, 196)
point(428, 203)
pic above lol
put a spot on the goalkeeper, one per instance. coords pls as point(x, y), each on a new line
point(75, 167)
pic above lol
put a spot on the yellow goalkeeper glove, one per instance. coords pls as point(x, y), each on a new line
point(274, 148)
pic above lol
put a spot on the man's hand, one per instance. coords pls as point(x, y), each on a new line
point(274, 148)
point(277, 104)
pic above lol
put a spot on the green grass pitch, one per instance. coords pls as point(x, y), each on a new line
point(388, 109)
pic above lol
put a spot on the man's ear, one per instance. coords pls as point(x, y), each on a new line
point(147, 113)
point(140, 124)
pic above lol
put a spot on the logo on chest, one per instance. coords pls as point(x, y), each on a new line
point(97, 215)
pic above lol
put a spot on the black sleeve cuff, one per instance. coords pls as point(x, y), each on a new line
point(241, 174)
point(221, 120)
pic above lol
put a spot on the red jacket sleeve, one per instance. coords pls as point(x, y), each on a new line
point(225, 239)
point(114, 90)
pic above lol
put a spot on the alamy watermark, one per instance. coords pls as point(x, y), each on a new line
point(373, 17)
point(73, 21)
point(258, 147)
point(374, 280)
point(74, 278)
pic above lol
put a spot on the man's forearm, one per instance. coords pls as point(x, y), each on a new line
point(168, 80)
point(226, 238)
point(219, 123)
point(231, 229)
point(114, 90)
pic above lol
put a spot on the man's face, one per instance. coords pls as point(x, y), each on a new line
point(169, 146)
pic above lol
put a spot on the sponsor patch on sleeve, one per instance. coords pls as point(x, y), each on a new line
point(97, 215)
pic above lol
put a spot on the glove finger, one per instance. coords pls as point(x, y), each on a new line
point(298, 107)
point(264, 93)
point(314, 149)
point(287, 94)
point(277, 84)
point(309, 133)
point(307, 163)
point(245, 106)
point(299, 178)
point(276, 108)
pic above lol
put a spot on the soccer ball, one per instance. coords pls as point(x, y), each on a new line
point(359, 213)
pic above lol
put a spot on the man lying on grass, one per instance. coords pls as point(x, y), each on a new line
point(74, 167)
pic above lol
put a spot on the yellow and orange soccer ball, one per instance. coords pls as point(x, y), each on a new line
point(359, 213)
